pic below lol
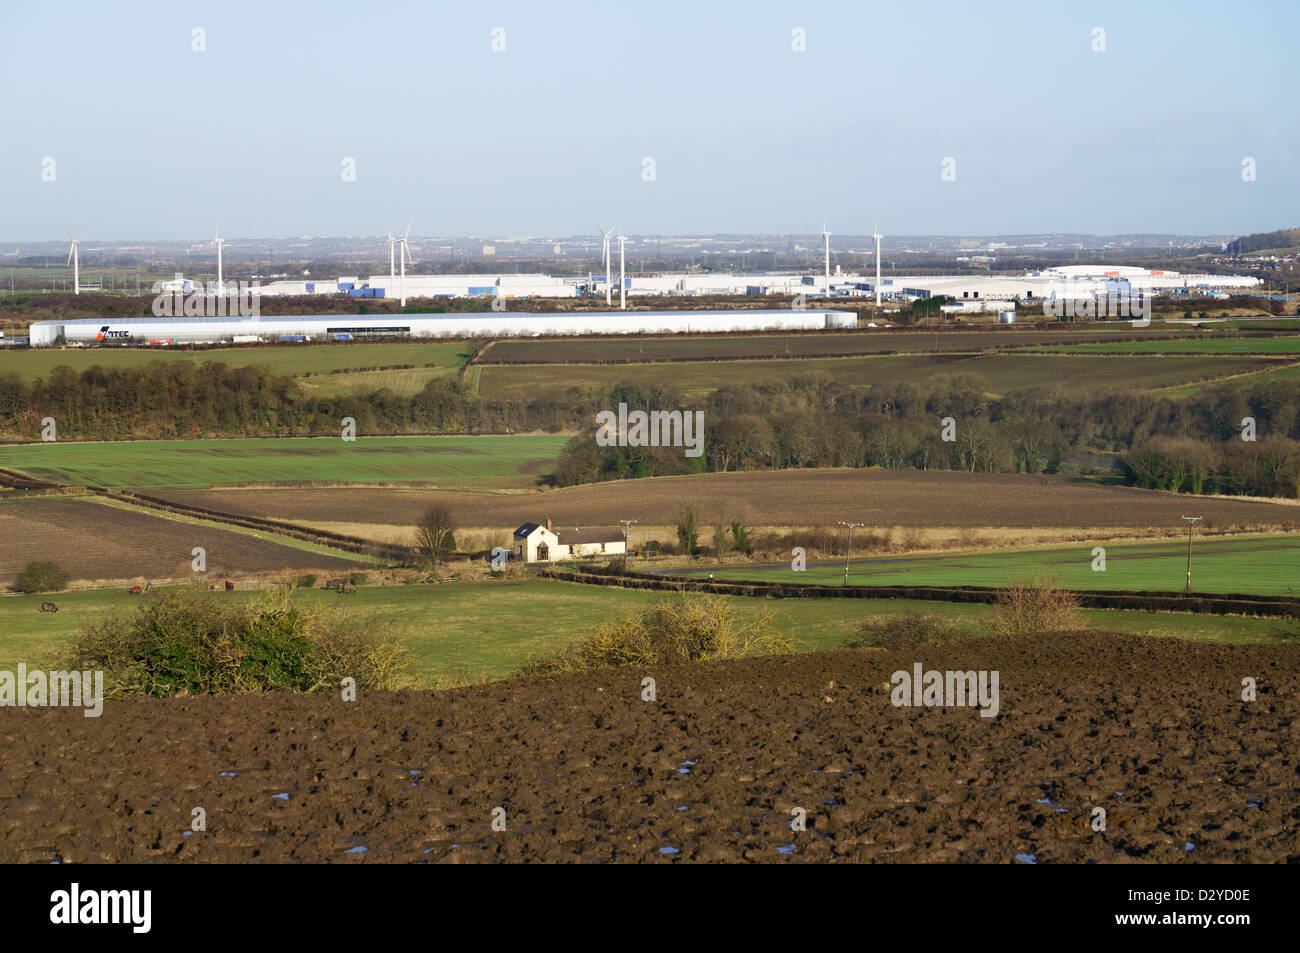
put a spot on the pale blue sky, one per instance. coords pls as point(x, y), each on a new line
point(153, 140)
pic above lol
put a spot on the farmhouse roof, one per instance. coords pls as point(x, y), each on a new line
point(592, 534)
point(527, 529)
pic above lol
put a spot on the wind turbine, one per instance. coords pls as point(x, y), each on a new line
point(75, 261)
point(604, 244)
point(875, 233)
point(827, 237)
point(622, 265)
point(219, 241)
point(392, 265)
point(405, 256)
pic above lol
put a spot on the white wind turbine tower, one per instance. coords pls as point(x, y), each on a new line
point(74, 260)
point(405, 257)
point(622, 269)
point(877, 236)
point(392, 261)
point(827, 237)
point(219, 241)
point(604, 247)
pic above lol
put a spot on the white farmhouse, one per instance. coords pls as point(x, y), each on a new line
point(538, 543)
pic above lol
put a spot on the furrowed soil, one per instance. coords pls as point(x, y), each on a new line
point(769, 498)
point(90, 540)
point(1152, 730)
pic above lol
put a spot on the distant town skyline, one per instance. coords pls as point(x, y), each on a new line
point(674, 119)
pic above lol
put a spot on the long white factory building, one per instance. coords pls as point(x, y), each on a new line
point(311, 327)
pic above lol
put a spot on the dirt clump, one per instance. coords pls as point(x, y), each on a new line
point(1153, 731)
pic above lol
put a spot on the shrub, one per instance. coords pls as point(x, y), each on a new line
point(307, 581)
point(688, 534)
point(896, 632)
point(1035, 605)
point(186, 641)
point(740, 538)
point(41, 577)
point(670, 632)
point(357, 578)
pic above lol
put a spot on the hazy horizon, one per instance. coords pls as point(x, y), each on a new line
point(549, 135)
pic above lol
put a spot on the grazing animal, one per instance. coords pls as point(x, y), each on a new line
point(49, 607)
point(340, 585)
point(139, 590)
point(230, 586)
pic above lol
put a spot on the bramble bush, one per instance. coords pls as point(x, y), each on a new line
point(41, 577)
point(670, 632)
point(185, 640)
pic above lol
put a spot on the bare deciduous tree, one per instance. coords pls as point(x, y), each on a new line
point(435, 534)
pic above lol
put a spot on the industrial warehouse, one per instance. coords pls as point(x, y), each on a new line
point(1066, 281)
point(308, 327)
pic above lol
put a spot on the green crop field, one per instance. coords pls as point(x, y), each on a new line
point(1267, 565)
point(1001, 372)
point(1278, 372)
point(295, 360)
point(496, 462)
point(487, 629)
point(1202, 345)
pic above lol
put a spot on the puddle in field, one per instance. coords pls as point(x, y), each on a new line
point(1027, 858)
point(280, 797)
point(787, 849)
point(359, 849)
point(228, 774)
point(669, 850)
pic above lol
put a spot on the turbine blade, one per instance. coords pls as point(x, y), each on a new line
point(70, 255)
point(408, 230)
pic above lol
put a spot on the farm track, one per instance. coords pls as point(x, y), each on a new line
point(93, 541)
point(350, 544)
point(1154, 731)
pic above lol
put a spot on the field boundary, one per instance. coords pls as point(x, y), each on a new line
point(1197, 603)
point(352, 544)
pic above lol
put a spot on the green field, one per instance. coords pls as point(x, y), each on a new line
point(1282, 372)
point(487, 629)
point(1201, 345)
point(1265, 565)
point(498, 462)
point(1001, 372)
point(295, 360)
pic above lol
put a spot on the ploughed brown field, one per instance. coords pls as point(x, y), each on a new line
point(696, 348)
point(769, 498)
point(90, 540)
point(1153, 731)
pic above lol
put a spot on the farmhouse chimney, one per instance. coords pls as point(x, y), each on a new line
point(548, 524)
